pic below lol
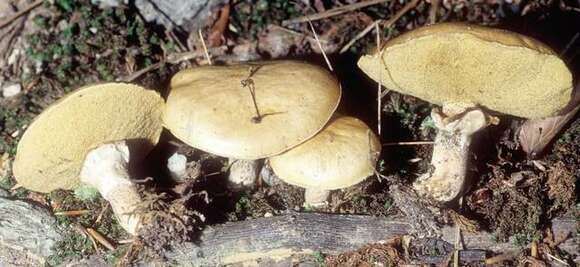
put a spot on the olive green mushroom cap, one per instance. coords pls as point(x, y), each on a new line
point(462, 65)
point(210, 108)
point(52, 150)
point(341, 155)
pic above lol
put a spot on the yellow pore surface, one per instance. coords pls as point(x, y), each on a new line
point(51, 152)
point(461, 65)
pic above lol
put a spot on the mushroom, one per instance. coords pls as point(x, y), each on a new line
point(341, 155)
point(86, 138)
point(468, 70)
point(250, 111)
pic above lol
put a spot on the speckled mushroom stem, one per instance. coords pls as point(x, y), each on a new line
point(445, 180)
point(316, 198)
point(106, 169)
point(243, 174)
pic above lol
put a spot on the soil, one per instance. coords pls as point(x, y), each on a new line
point(71, 43)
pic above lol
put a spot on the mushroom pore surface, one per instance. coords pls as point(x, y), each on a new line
point(52, 150)
point(452, 64)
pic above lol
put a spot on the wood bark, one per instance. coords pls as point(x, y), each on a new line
point(280, 237)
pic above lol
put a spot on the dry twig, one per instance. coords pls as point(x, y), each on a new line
point(72, 213)
point(379, 85)
point(204, 48)
point(320, 46)
point(433, 11)
point(20, 13)
point(410, 143)
point(333, 12)
point(386, 24)
point(100, 238)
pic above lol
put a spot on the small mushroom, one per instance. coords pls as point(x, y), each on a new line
point(341, 155)
point(87, 138)
point(250, 111)
point(466, 69)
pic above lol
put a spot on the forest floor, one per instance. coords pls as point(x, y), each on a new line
point(61, 45)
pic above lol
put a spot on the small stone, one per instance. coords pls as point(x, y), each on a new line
point(187, 14)
point(11, 90)
point(108, 3)
point(268, 214)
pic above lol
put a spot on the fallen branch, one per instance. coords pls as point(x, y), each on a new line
point(308, 233)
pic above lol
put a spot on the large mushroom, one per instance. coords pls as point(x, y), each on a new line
point(469, 71)
point(250, 111)
point(87, 138)
point(343, 154)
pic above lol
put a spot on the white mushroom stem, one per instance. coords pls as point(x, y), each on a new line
point(316, 197)
point(106, 169)
point(243, 174)
point(445, 181)
point(177, 166)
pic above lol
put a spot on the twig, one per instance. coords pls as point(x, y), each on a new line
point(293, 32)
point(333, 12)
point(180, 46)
point(433, 11)
point(320, 46)
point(126, 241)
point(83, 231)
point(20, 13)
point(100, 216)
point(558, 260)
point(388, 23)
point(72, 213)
point(379, 93)
point(569, 44)
point(172, 59)
point(410, 143)
point(100, 238)
point(204, 48)
point(140, 72)
point(358, 36)
point(16, 186)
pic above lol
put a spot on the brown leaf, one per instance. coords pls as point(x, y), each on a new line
point(219, 27)
point(536, 134)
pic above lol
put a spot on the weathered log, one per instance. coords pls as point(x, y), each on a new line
point(28, 227)
point(306, 233)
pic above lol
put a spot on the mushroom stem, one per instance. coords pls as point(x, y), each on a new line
point(445, 181)
point(243, 174)
point(106, 169)
point(315, 197)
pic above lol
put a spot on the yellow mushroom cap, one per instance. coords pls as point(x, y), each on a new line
point(461, 65)
point(342, 154)
point(52, 150)
point(208, 108)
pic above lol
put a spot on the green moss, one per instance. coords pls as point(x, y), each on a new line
point(86, 193)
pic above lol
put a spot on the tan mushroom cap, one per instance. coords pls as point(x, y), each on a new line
point(462, 65)
point(51, 153)
point(209, 109)
point(341, 155)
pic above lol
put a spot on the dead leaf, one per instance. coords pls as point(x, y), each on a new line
point(216, 34)
point(535, 135)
